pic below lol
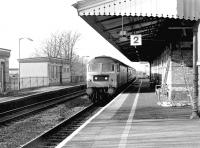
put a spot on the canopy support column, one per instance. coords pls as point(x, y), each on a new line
point(195, 109)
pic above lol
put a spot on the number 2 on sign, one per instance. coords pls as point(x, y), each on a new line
point(136, 40)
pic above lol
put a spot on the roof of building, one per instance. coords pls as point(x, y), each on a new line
point(13, 69)
point(4, 52)
point(43, 59)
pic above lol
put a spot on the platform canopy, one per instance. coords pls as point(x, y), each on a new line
point(159, 22)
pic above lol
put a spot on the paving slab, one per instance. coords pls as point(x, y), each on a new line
point(135, 120)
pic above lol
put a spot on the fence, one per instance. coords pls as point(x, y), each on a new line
point(28, 82)
point(76, 79)
point(33, 82)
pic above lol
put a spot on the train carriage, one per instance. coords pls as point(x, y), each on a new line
point(105, 75)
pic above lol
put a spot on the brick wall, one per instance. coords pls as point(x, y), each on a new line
point(174, 68)
point(182, 73)
point(159, 67)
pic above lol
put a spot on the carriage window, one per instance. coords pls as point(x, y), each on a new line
point(118, 69)
point(108, 67)
point(113, 67)
point(94, 68)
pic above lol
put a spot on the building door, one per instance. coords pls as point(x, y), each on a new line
point(2, 77)
point(60, 74)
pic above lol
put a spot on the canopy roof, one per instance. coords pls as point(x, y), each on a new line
point(187, 9)
point(157, 22)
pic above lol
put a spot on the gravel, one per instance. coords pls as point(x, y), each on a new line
point(19, 132)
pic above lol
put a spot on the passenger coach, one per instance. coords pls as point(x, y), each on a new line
point(105, 75)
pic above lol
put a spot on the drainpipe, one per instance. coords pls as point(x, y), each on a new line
point(150, 70)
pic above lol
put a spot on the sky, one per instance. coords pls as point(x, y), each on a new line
point(38, 19)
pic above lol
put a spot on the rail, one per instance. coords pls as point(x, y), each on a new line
point(11, 114)
point(55, 135)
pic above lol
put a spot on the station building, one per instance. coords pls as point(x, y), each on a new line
point(169, 40)
point(4, 70)
point(43, 71)
point(13, 72)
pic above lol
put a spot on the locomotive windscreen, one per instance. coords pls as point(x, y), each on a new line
point(94, 67)
point(107, 67)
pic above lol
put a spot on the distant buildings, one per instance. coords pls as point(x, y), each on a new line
point(43, 71)
point(13, 72)
point(4, 70)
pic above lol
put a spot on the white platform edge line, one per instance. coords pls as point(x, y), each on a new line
point(127, 128)
point(86, 123)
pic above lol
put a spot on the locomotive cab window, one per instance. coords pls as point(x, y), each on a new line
point(94, 68)
point(108, 67)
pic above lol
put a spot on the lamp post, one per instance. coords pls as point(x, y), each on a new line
point(82, 64)
point(19, 59)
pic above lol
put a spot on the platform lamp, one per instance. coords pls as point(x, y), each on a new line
point(19, 59)
point(82, 64)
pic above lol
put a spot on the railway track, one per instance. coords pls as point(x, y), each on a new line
point(10, 115)
point(58, 133)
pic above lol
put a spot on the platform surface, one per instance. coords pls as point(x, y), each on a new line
point(134, 120)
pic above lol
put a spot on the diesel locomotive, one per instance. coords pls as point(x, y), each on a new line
point(105, 75)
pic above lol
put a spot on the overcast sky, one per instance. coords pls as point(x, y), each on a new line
point(37, 19)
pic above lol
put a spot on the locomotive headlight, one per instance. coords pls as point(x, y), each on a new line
point(106, 78)
point(89, 91)
point(89, 80)
point(95, 78)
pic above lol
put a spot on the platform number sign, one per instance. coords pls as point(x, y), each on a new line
point(136, 40)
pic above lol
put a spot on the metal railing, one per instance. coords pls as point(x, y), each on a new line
point(162, 92)
point(28, 82)
point(76, 79)
point(34, 82)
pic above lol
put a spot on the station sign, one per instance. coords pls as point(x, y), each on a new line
point(136, 40)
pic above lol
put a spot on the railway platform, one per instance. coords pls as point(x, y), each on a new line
point(29, 92)
point(133, 119)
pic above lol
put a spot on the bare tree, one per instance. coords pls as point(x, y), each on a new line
point(53, 46)
point(60, 45)
point(68, 44)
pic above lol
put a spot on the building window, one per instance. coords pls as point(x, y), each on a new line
point(52, 71)
point(64, 69)
point(57, 71)
point(54, 67)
